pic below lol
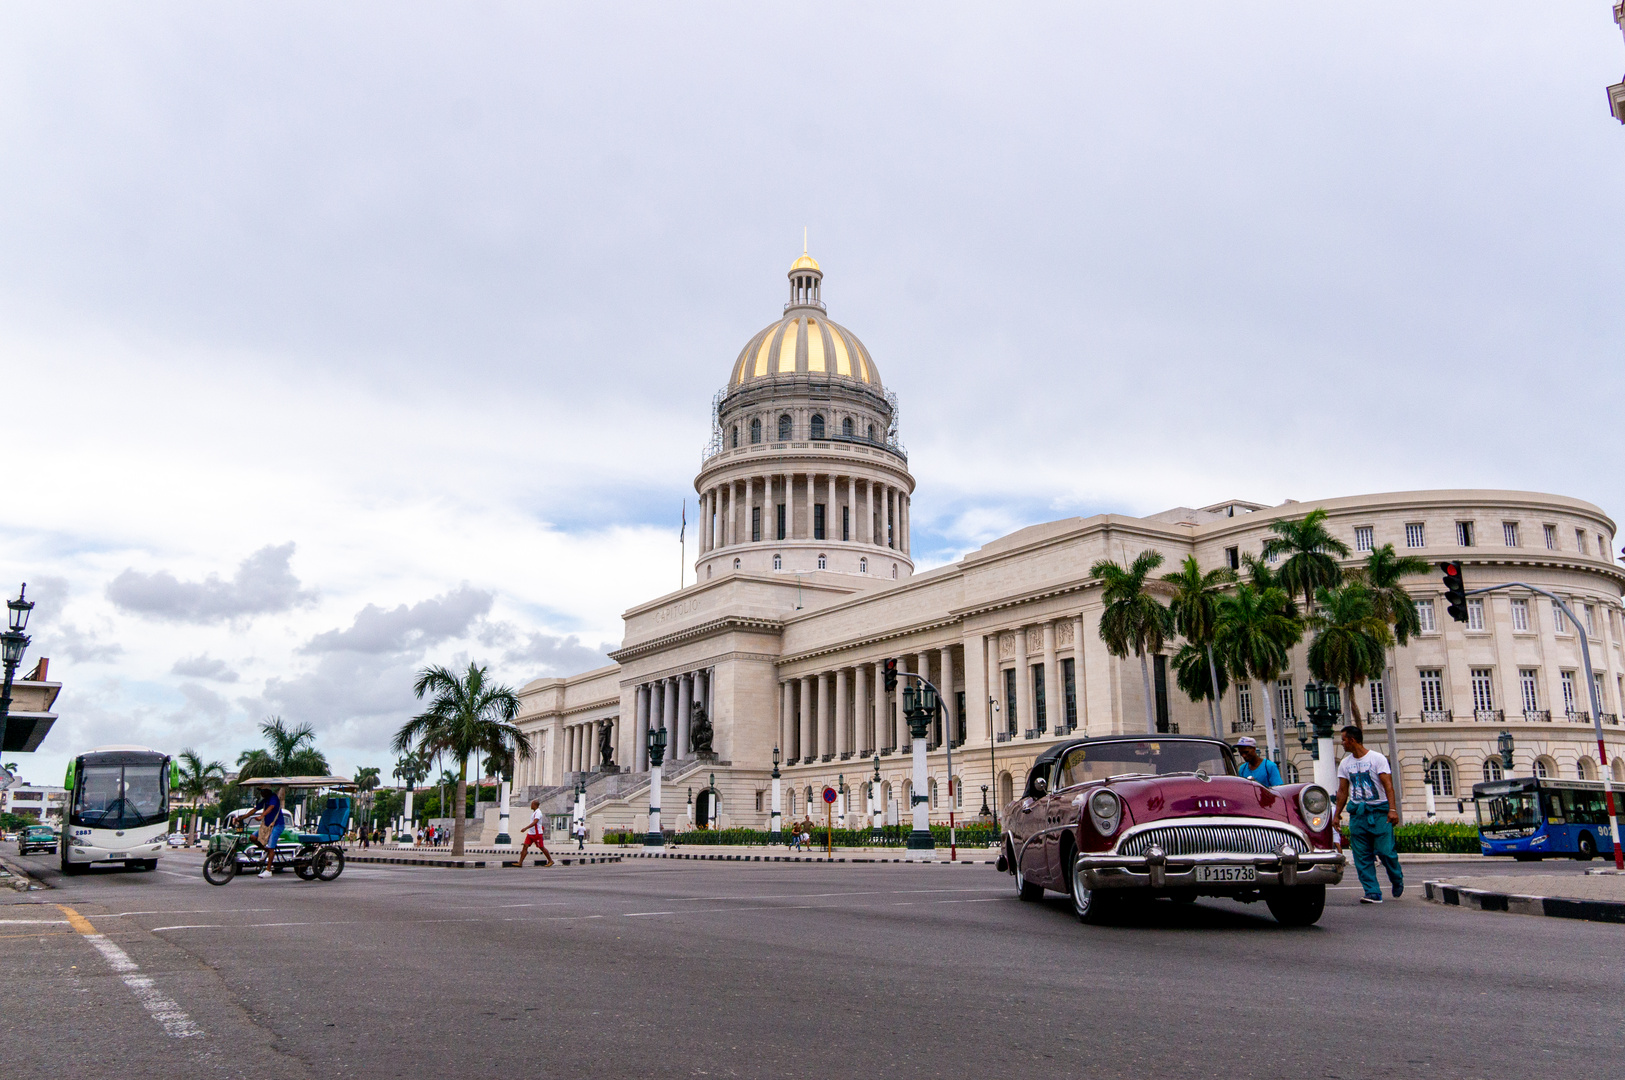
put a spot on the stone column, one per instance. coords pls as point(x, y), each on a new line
point(789, 506)
point(1024, 684)
point(899, 731)
point(806, 745)
point(861, 740)
point(852, 508)
point(842, 747)
point(868, 536)
point(785, 719)
point(668, 711)
point(1054, 707)
point(640, 731)
point(685, 706)
point(750, 506)
point(902, 542)
point(826, 717)
point(949, 702)
point(1077, 674)
point(882, 708)
point(996, 720)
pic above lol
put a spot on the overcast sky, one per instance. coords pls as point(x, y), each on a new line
point(337, 340)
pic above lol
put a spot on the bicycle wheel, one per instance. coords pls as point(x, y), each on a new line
point(329, 863)
point(219, 868)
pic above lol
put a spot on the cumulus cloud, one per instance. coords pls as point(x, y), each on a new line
point(554, 654)
point(84, 646)
point(201, 702)
point(204, 666)
point(402, 629)
point(264, 584)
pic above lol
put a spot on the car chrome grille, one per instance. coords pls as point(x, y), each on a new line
point(1214, 840)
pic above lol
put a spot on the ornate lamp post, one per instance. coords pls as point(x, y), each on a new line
point(1504, 744)
point(581, 801)
point(1324, 704)
point(874, 804)
point(13, 643)
point(920, 706)
point(775, 824)
point(840, 788)
point(987, 811)
point(657, 757)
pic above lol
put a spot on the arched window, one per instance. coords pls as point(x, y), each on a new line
point(823, 563)
point(1290, 772)
point(905, 799)
point(790, 803)
point(708, 570)
point(1588, 771)
point(846, 427)
point(893, 569)
point(784, 428)
point(778, 562)
point(1007, 789)
point(1619, 770)
point(1492, 769)
point(736, 435)
point(959, 793)
point(809, 797)
point(818, 425)
point(1442, 776)
point(736, 564)
point(756, 431)
point(1545, 768)
point(871, 433)
point(931, 786)
point(863, 566)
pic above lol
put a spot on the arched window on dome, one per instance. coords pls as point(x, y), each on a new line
point(736, 564)
point(778, 562)
point(823, 562)
point(818, 425)
point(736, 435)
point(846, 427)
point(708, 571)
point(871, 433)
point(863, 566)
point(893, 569)
point(756, 431)
point(784, 428)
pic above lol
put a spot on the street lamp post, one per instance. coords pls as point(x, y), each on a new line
point(840, 789)
point(1504, 745)
point(657, 756)
point(920, 706)
point(874, 803)
point(12, 645)
point(1324, 704)
point(504, 796)
point(993, 757)
point(775, 825)
point(581, 801)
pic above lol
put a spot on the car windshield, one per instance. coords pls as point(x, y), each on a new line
point(120, 796)
point(1516, 811)
point(1098, 761)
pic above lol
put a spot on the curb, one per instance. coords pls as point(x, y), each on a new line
point(473, 864)
point(805, 859)
point(1553, 907)
point(14, 875)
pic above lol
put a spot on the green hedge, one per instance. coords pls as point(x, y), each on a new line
point(975, 835)
point(1433, 837)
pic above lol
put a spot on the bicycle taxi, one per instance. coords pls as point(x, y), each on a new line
point(314, 855)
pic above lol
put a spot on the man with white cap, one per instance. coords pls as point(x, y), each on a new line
point(1255, 766)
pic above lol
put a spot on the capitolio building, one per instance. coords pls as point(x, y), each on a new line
point(804, 585)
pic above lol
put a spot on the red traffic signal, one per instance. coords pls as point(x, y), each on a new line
point(1455, 592)
point(889, 669)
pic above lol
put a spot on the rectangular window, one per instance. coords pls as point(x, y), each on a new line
point(1464, 533)
point(755, 524)
point(1483, 692)
point(1010, 700)
point(1244, 706)
point(1415, 535)
point(1580, 541)
point(1551, 536)
point(1232, 558)
point(1475, 614)
point(1362, 538)
point(1284, 699)
point(1602, 546)
point(1432, 690)
point(1509, 533)
point(846, 523)
point(1040, 706)
point(1560, 625)
point(1591, 619)
point(1568, 692)
point(818, 521)
point(1602, 696)
point(780, 511)
point(1379, 704)
point(1520, 616)
point(1424, 616)
point(1069, 690)
point(1529, 687)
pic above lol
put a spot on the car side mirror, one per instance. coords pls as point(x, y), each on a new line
point(1040, 786)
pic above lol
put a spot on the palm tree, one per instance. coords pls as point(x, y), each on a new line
point(411, 769)
point(1195, 608)
point(1309, 548)
point(367, 781)
point(292, 753)
point(1196, 671)
point(1351, 640)
point(1133, 620)
point(467, 715)
point(1254, 633)
point(1383, 572)
point(198, 782)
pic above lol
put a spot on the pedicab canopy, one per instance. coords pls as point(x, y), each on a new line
point(298, 781)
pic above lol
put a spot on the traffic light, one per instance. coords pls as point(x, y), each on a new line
point(1455, 594)
point(890, 670)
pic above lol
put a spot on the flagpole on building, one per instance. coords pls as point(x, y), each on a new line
point(682, 548)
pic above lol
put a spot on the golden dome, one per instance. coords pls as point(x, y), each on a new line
point(806, 262)
point(805, 343)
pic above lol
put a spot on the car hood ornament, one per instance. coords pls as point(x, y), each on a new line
point(1201, 774)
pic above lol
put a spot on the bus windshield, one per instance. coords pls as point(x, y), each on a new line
point(1515, 813)
point(120, 796)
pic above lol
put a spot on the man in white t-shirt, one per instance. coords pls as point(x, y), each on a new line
point(535, 835)
point(1365, 784)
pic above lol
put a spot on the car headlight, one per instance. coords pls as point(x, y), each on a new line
point(1105, 811)
point(1316, 806)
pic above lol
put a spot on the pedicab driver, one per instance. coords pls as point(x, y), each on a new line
point(269, 811)
point(535, 834)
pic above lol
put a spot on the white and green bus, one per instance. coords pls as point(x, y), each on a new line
point(118, 807)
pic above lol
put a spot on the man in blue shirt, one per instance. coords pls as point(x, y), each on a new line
point(270, 810)
point(1255, 766)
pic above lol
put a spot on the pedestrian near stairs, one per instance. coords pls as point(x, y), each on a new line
point(1365, 783)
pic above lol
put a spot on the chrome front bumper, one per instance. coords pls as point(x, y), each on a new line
point(1158, 871)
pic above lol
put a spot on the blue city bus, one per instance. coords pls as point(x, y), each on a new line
point(1532, 818)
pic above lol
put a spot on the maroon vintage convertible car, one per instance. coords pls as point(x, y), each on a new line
point(1119, 820)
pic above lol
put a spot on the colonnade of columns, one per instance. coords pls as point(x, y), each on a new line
point(579, 744)
point(668, 704)
point(847, 712)
point(877, 512)
point(1037, 664)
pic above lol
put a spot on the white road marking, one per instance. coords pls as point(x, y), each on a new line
point(185, 911)
point(172, 873)
point(161, 1008)
point(47, 922)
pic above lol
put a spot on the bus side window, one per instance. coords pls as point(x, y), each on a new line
point(1554, 807)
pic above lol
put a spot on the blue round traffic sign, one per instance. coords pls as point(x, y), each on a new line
point(830, 795)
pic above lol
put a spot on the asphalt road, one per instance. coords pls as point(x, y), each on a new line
point(656, 969)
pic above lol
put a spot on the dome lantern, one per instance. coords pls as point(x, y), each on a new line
point(805, 282)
